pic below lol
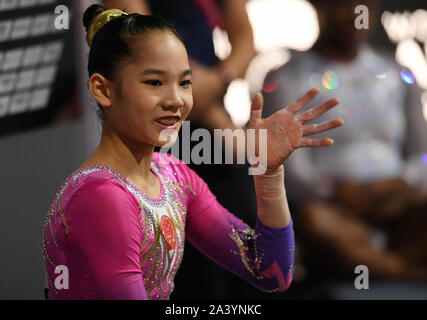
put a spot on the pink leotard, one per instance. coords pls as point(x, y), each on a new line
point(118, 243)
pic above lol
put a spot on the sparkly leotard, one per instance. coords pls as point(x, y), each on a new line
point(118, 243)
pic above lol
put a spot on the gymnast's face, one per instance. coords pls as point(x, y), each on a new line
point(152, 94)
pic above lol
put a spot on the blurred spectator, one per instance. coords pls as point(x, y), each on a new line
point(361, 204)
point(195, 21)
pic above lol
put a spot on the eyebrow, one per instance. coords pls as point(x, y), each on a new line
point(162, 72)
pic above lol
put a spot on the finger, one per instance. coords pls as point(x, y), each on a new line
point(303, 101)
point(306, 142)
point(256, 107)
point(317, 111)
point(321, 127)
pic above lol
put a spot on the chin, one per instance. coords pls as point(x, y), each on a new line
point(167, 138)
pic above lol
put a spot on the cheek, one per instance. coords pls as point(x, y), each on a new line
point(188, 102)
point(143, 104)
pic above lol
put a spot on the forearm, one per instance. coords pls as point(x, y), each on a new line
point(262, 256)
point(240, 34)
point(273, 209)
point(238, 61)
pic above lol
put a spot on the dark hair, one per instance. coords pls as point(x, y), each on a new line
point(112, 44)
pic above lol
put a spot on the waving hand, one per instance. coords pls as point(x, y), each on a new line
point(286, 131)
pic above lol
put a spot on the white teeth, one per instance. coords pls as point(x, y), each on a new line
point(167, 122)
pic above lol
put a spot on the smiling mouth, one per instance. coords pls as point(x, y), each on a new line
point(168, 121)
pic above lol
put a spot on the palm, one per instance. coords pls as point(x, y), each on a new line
point(286, 131)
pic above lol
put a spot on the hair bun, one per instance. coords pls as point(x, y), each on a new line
point(91, 13)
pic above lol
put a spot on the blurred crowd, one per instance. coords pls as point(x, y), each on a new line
point(353, 205)
point(362, 201)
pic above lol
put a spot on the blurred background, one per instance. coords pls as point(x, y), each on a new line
point(48, 127)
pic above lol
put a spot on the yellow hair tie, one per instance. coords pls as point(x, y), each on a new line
point(100, 20)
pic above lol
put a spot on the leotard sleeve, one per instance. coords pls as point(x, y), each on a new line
point(262, 256)
point(104, 229)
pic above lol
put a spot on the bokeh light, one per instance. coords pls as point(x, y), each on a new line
point(407, 76)
point(222, 45)
point(380, 75)
point(330, 80)
point(410, 54)
point(269, 19)
point(405, 25)
point(254, 79)
point(238, 104)
point(269, 86)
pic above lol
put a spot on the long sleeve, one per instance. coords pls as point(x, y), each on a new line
point(104, 230)
point(263, 257)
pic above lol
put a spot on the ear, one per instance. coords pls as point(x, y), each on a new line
point(100, 88)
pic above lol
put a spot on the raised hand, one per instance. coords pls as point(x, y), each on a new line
point(286, 131)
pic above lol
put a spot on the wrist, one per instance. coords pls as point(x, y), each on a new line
point(271, 184)
point(269, 172)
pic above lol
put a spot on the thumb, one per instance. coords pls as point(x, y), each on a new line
point(256, 107)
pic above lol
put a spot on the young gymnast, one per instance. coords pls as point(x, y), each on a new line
point(119, 222)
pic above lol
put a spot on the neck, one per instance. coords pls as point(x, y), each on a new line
point(130, 158)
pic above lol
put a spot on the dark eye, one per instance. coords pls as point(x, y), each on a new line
point(186, 83)
point(153, 83)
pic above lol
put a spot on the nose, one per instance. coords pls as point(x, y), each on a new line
point(173, 99)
